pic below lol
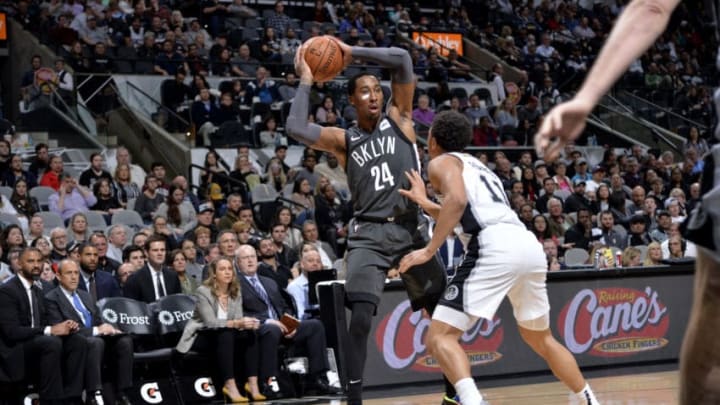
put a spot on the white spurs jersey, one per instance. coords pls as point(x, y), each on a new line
point(487, 203)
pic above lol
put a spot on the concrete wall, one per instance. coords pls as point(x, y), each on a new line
point(487, 59)
point(148, 142)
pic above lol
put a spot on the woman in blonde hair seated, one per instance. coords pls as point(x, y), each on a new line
point(275, 176)
point(219, 327)
point(631, 257)
point(654, 255)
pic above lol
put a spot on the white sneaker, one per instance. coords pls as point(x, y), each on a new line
point(297, 367)
point(333, 379)
point(97, 398)
point(273, 384)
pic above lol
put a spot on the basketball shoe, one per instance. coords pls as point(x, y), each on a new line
point(456, 401)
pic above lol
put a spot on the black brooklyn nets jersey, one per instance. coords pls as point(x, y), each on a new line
point(376, 166)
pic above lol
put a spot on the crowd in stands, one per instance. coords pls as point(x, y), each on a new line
point(632, 201)
point(567, 202)
point(554, 44)
point(174, 245)
point(625, 211)
point(560, 40)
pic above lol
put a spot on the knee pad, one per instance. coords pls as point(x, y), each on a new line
point(536, 324)
point(361, 317)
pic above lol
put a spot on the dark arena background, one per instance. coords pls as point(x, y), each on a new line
point(129, 120)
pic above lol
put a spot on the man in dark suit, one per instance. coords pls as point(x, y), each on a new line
point(99, 284)
point(29, 344)
point(263, 300)
point(153, 281)
point(68, 302)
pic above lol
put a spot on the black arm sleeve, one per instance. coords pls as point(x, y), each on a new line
point(297, 124)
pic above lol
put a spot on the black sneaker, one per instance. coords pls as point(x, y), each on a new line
point(320, 386)
point(354, 393)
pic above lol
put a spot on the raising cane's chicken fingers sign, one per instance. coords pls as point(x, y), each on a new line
point(614, 322)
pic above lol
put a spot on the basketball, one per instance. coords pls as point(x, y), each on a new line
point(324, 57)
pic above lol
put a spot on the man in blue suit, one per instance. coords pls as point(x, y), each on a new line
point(263, 299)
point(99, 284)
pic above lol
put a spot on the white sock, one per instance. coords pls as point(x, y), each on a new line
point(587, 396)
point(468, 392)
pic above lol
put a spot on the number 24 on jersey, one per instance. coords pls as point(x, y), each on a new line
point(382, 175)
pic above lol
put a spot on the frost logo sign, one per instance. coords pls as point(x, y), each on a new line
point(614, 322)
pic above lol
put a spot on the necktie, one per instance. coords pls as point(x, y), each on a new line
point(306, 293)
point(160, 288)
point(263, 295)
point(93, 288)
point(87, 316)
point(35, 307)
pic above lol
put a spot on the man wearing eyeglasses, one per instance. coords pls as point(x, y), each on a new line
point(59, 241)
point(117, 239)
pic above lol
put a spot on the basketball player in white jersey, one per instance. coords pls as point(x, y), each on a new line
point(475, 207)
point(636, 30)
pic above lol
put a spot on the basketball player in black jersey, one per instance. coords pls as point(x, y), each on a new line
point(375, 153)
point(636, 30)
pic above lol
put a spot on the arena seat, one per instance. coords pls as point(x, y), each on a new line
point(6, 191)
point(51, 220)
point(9, 219)
point(42, 194)
point(576, 257)
point(96, 220)
point(129, 218)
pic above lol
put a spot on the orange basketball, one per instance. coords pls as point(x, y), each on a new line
point(324, 57)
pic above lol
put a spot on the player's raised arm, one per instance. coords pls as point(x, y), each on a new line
point(637, 28)
point(330, 139)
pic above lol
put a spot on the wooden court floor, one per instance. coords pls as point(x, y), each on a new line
point(658, 388)
point(633, 389)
